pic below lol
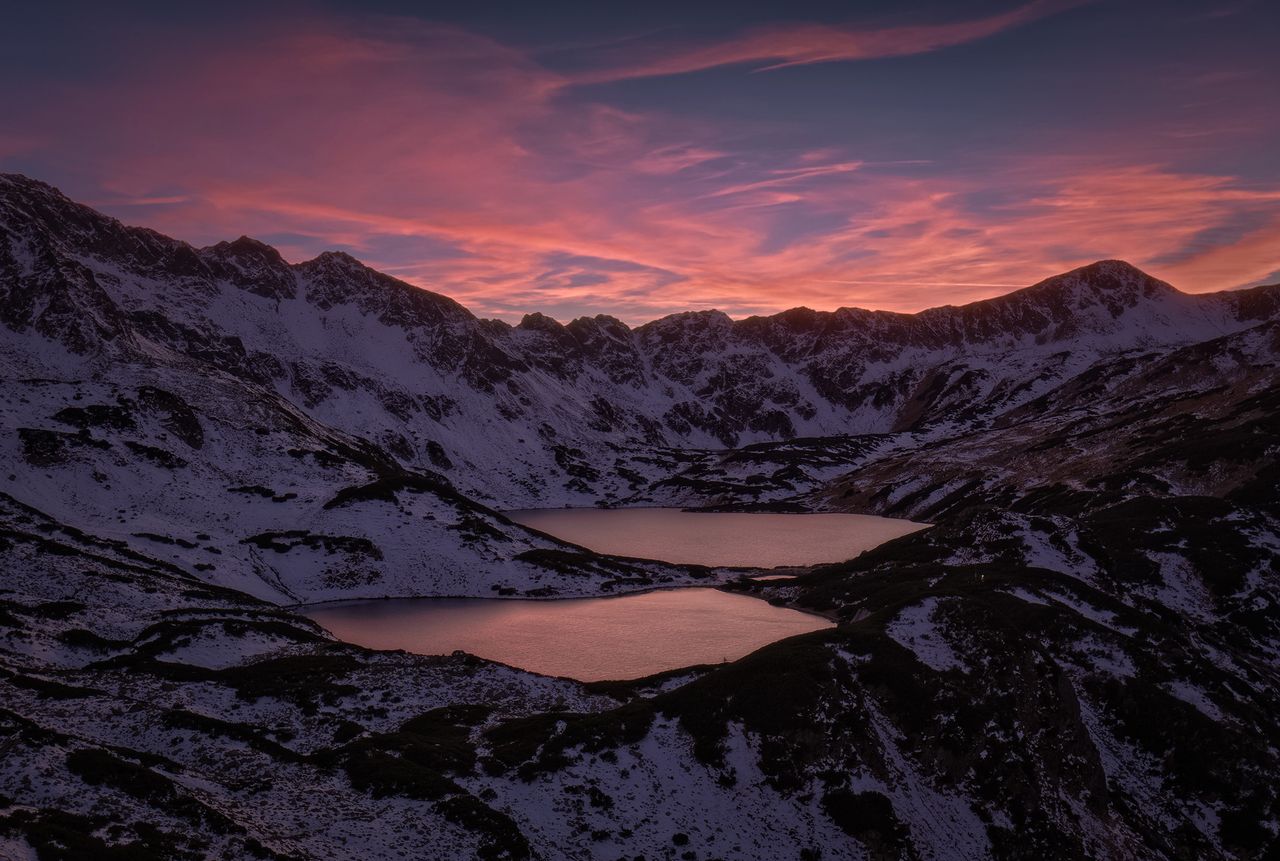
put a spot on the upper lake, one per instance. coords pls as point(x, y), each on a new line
point(740, 539)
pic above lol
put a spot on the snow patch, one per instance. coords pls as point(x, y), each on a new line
point(917, 629)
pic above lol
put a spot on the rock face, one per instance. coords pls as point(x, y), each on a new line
point(1080, 659)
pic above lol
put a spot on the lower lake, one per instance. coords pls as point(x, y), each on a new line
point(588, 639)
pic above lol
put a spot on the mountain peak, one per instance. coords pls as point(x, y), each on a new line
point(1108, 288)
point(337, 278)
point(538, 322)
point(603, 323)
point(335, 261)
point(23, 183)
point(685, 319)
point(246, 246)
point(1111, 266)
point(252, 265)
point(40, 203)
point(17, 185)
point(1106, 277)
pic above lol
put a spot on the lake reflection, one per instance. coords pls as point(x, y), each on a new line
point(756, 540)
point(582, 638)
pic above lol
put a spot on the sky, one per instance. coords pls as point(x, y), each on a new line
point(641, 159)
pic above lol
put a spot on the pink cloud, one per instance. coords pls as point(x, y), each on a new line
point(776, 46)
point(458, 164)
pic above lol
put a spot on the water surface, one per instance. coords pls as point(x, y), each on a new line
point(754, 539)
point(582, 638)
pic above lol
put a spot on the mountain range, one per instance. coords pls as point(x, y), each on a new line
point(1081, 658)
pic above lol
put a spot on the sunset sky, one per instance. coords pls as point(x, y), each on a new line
point(643, 158)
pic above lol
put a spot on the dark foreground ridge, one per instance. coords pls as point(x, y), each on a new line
point(1081, 659)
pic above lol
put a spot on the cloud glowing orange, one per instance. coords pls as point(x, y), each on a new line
point(778, 46)
point(460, 164)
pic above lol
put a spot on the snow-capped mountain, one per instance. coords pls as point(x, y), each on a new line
point(545, 412)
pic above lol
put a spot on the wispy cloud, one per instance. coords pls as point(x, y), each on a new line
point(458, 164)
point(778, 46)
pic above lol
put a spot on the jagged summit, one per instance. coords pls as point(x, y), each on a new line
point(339, 261)
point(245, 246)
point(1107, 281)
point(1109, 272)
point(21, 196)
point(538, 322)
point(252, 265)
point(13, 184)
